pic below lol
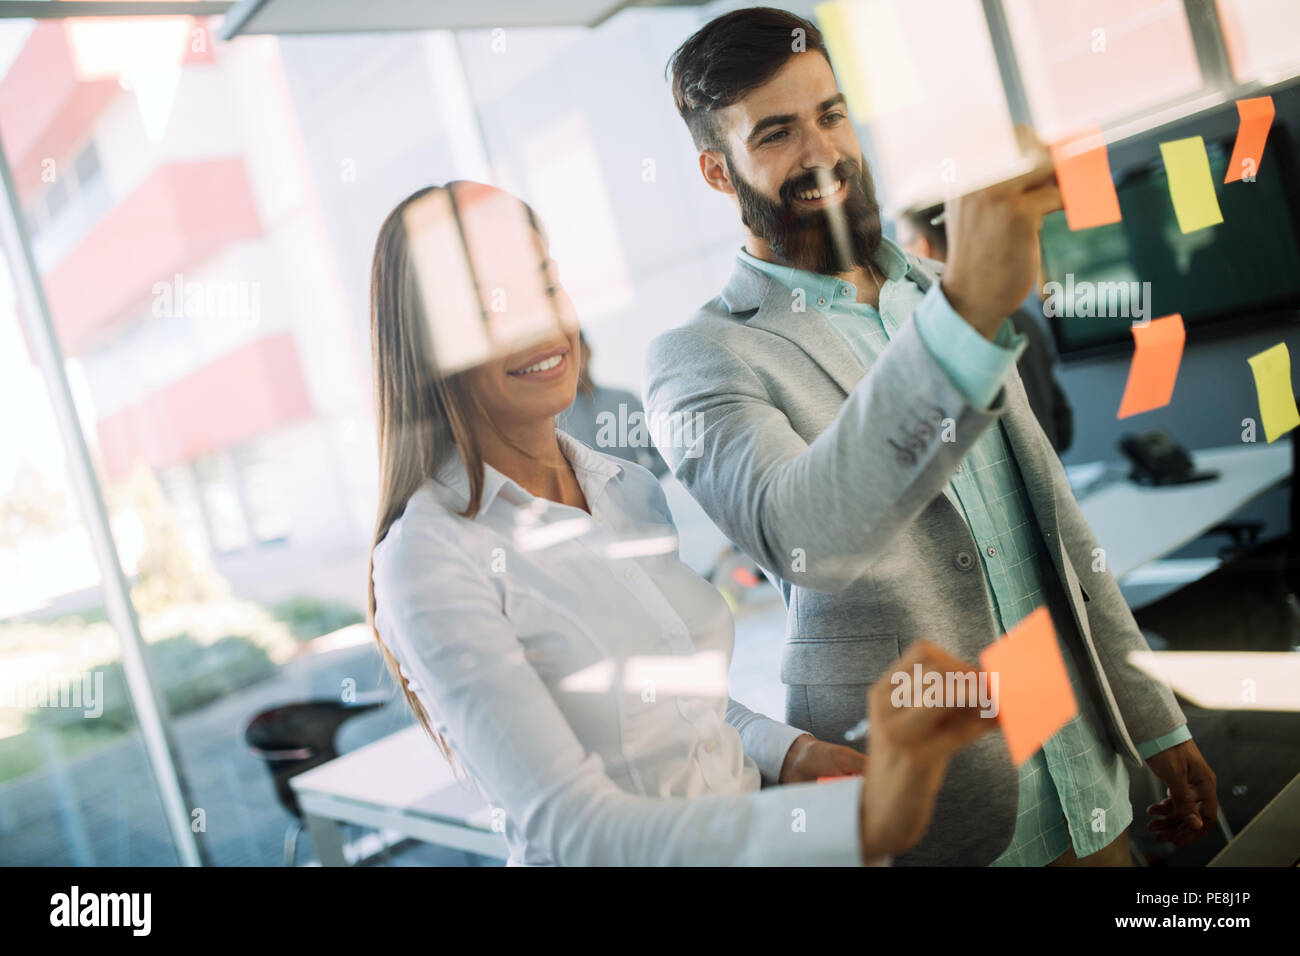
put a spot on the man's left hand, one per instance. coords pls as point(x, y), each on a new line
point(809, 758)
point(1192, 805)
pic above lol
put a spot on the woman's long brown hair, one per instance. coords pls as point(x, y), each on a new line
point(420, 415)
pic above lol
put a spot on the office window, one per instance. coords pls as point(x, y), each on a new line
point(87, 166)
point(32, 216)
point(264, 492)
point(182, 498)
point(56, 197)
point(1087, 62)
point(1262, 37)
point(75, 786)
point(225, 514)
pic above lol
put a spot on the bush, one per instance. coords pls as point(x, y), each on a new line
point(310, 617)
point(190, 673)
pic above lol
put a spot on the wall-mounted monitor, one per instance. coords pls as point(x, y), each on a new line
point(1243, 271)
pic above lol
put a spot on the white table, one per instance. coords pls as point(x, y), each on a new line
point(1137, 525)
point(399, 783)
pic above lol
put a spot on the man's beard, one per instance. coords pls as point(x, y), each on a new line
point(827, 241)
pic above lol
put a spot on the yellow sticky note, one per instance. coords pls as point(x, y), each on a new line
point(836, 34)
point(1191, 186)
point(870, 54)
point(1272, 369)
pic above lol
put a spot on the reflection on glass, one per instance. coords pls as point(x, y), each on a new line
point(1261, 38)
point(485, 280)
point(75, 784)
point(1087, 62)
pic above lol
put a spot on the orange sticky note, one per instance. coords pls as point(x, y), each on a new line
point(843, 776)
point(1256, 116)
point(1156, 356)
point(1083, 175)
point(1034, 695)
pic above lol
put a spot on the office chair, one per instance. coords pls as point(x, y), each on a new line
point(295, 737)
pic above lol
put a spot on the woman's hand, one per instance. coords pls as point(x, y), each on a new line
point(909, 749)
point(809, 758)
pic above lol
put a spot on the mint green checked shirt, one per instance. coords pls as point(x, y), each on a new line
point(1076, 787)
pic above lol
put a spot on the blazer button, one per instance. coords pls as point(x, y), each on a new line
point(964, 560)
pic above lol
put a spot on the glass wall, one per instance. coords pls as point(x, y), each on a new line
point(203, 214)
point(75, 782)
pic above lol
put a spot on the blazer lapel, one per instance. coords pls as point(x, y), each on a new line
point(773, 307)
point(1029, 451)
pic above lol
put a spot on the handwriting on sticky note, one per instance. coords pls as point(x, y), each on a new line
point(1157, 353)
point(1277, 409)
point(1255, 116)
point(1035, 698)
point(1083, 175)
point(1191, 186)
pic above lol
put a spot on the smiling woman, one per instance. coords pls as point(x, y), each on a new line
point(527, 596)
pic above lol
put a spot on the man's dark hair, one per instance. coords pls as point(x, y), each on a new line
point(728, 57)
point(919, 220)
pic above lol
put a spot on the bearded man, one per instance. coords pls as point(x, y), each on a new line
point(860, 430)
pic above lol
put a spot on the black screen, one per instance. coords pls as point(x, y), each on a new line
point(1246, 267)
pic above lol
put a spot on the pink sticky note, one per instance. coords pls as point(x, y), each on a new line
point(1034, 696)
point(1255, 116)
point(1157, 353)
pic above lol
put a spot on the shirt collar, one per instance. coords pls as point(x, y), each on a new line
point(890, 259)
point(592, 469)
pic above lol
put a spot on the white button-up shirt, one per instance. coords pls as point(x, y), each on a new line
point(578, 671)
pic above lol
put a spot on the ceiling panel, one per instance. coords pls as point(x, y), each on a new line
point(351, 16)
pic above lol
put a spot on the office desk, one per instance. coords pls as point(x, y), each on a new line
point(1137, 525)
point(399, 783)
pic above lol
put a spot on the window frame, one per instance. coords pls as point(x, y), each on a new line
point(1219, 85)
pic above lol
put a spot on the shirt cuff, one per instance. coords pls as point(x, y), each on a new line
point(766, 742)
point(975, 365)
point(1150, 748)
point(813, 824)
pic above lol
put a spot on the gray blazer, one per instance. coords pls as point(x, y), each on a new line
point(837, 484)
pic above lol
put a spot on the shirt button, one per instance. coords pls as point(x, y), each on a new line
point(845, 290)
point(710, 746)
point(964, 560)
point(677, 631)
point(821, 301)
point(629, 573)
point(959, 467)
point(993, 552)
